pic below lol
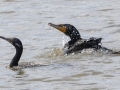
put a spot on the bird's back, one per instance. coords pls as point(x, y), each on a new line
point(84, 44)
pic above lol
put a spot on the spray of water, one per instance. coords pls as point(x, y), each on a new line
point(63, 41)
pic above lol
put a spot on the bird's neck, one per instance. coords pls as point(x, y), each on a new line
point(74, 36)
point(16, 58)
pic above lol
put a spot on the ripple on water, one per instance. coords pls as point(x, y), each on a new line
point(105, 10)
point(7, 12)
point(13, 0)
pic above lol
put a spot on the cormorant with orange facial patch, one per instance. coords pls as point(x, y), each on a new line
point(76, 43)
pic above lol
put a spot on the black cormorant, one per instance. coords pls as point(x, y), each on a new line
point(77, 44)
point(19, 49)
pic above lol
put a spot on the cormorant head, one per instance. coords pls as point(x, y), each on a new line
point(15, 42)
point(68, 29)
point(19, 48)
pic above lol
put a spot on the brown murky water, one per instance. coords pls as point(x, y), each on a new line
point(28, 19)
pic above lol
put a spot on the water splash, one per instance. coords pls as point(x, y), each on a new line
point(63, 40)
point(53, 53)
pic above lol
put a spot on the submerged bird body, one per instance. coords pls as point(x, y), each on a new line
point(77, 44)
point(19, 49)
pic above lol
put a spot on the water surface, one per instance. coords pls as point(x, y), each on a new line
point(28, 20)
